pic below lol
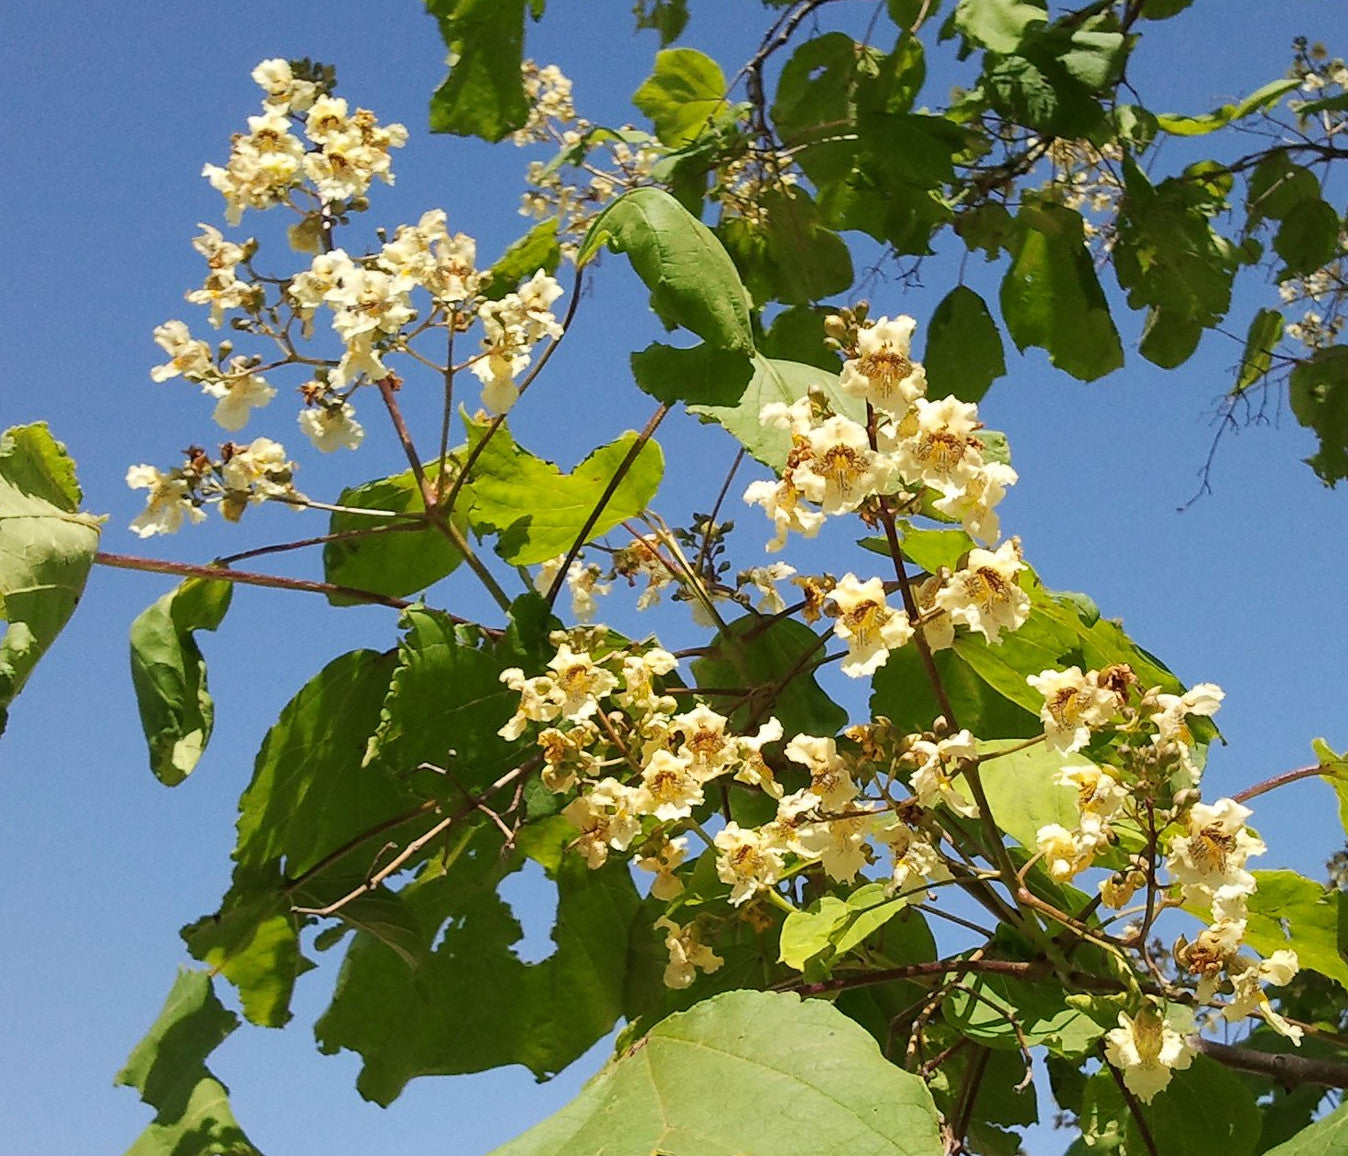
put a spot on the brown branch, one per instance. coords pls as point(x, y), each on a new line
point(1279, 781)
point(1133, 1107)
point(246, 578)
point(1286, 1070)
point(612, 488)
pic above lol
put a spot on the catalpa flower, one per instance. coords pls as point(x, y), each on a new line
point(687, 953)
point(936, 445)
point(830, 782)
point(238, 393)
point(985, 595)
point(1209, 862)
point(187, 355)
point(938, 768)
point(169, 502)
point(835, 467)
point(332, 427)
point(882, 372)
point(869, 626)
point(746, 860)
point(1149, 1047)
point(1074, 703)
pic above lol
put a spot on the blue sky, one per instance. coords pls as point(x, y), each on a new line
point(113, 111)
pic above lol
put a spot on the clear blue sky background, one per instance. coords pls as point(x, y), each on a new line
point(113, 109)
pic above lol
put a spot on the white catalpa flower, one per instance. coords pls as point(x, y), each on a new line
point(938, 766)
point(1074, 704)
point(284, 92)
point(746, 860)
point(332, 427)
point(936, 444)
point(187, 356)
point(985, 594)
point(867, 624)
point(674, 787)
point(830, 782)
point(882, 372)
point(169, 502)
point(837, 470)
point(1209, 862)
point(781, 501)
point(687, 953)
point(237, 394)
point(1149, 1047)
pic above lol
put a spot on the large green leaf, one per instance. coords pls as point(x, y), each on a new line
point(732, 390)
point(753, 1073)
point(46, 550)
point(784, 252)
point(1022, 794)
point(1002, 1011)
point(757, 653)
point(168, 672)
point(682, 96)
point(1205, 1108)
point(1290, 910)
point(1266, 330)
point(484, 93)
point(538, 510)
point(1205, 123)
point(692, 279)
point(815, 105)
point(964, 349)
point(1051, 297)
point(168, 1068)
point(309, 796)
point(473, 1004)
point(999, 25)
point(392, 561)
point(444, 707)
point(1168, 258)
point(1326, 1137)
point(1318, 393)
point(836, 925)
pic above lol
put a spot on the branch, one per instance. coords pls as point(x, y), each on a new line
point(612, 488)
point(246, 578)
point(1279, 781)
point(1286, 1070)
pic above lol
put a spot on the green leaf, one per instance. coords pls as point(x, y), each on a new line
point(987, 1008)
point(815, 103)
point(1163, 9)
point(964, 355)
point(732, 391)
point(836, 925)
point(1308, 238)
point(1051, 297)
point(757, 653)
point(168, 1068)
point(1335, 767)
point(668, 17)
point(484, 92)
point(46, 549)
point(1328, 1136)
point(1042, 94)
point(999, 25)
point(1318, 393)
point(1257, 101)
point(444, 707)
point(537, 249)
point(682, 96)
point(752, 1073)
point(169, 674)
point(396, 562)
point(1290, 910)
point(1022, 794)
point(692, 279)
point(309, 796)
point(784, 253)
point(797, 334)
point(1266, 330)
point(1205, 1108)
point(473, 1004)
point(1168, 257)
point(538, 510)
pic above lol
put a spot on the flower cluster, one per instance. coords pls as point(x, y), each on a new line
point(242, 475)
point(311, 153)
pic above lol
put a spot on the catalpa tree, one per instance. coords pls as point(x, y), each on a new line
point(896, 859)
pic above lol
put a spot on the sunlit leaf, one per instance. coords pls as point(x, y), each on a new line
point(784, 253)
point(1290, 910)
point(538, 510)
point(732, 391)
point(168, 1068)
point(1266, 329)
point(1262, 98)
point(999, 25)
point(46, 549)
point(537, 249)
point(682, 96)
point(747, 1072)
point(1051, 297)
point(168, 672)
point(668, 17)
point(963, 356)
point(484, 92)
point(1328, 1136)
point(692, 279)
